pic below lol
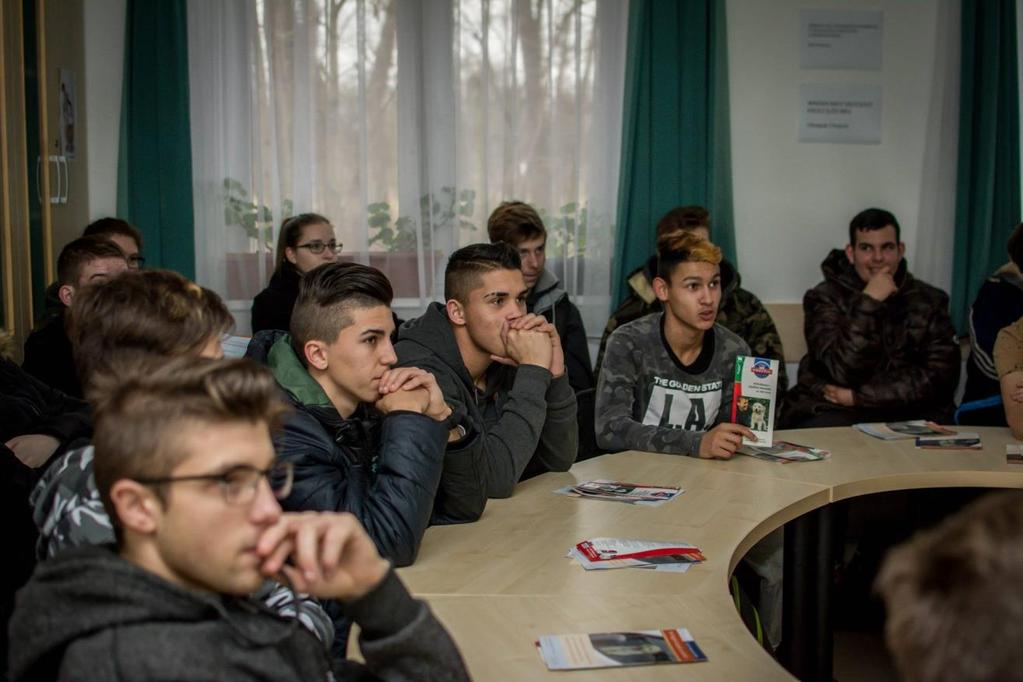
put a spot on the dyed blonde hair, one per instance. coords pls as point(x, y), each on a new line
point(684, 247)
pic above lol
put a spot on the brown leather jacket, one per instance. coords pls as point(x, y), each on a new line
point(899, 356)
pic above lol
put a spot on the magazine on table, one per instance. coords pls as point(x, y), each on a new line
point(784, 452)
point(610, 553)
point(614, 649)
point(1014, 453)
point(963, 440)
point(903, 430)
point(754, 397)
point(618, 491)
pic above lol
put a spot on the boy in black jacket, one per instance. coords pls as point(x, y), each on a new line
point(503, 373)
point(198, 528)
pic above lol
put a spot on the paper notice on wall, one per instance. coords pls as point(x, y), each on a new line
point(840, 112)
point(840, 39)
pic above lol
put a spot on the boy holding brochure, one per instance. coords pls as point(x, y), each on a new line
point(666, 382)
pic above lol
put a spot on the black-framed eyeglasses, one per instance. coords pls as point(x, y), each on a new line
point(136, 261)
point(317, 246)
point(239, 484)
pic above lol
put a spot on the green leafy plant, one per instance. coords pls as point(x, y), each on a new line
point(447, 207)
point(257, 220)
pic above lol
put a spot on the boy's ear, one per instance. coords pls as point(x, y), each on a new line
point(316, 354)
point(456, 312)
point(136, 506)
point(660, 286)
point(66, 293)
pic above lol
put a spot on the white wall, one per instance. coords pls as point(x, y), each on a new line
point(793, 201)
point(104, 61)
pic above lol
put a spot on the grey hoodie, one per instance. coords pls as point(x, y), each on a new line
point(89, 614)
point(523, 424)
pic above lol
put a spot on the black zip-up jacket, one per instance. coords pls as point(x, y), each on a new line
point(522, 425)
point(383, 469)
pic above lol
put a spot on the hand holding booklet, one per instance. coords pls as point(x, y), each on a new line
point(631, 493)
point(607, 553)
point(613, 649)
point(754, 397)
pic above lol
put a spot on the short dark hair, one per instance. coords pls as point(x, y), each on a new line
point(953, 598)
point(514, 222)
point(291, 232)
point(326, 297)
point(683, 218)
point(469, 263)
point(683, 247)
point(140, 415)
point(105, 227)
point(141, 314)
point(1015, 246)
point(78, 253)
point(870, 220)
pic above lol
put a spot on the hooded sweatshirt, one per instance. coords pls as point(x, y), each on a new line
point(739, 312)
point(999, 303)
point(523, 424)
point(899, 356)
point(89, 614)
point(648, 399)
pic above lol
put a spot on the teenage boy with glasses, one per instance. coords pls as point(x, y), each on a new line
point(197, 531)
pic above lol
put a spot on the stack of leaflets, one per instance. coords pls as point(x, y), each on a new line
point(632, 493)
point(964, 440)
point(613, 649)
point(604, 553)
point(901, 430)
point(754, 397)
point(1014, 453)
point(784, 452)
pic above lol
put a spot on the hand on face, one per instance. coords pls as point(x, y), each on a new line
point(326, 554)
point(881, 285)
point(415, 381)
point(527, 342)
point(723, 440)
point(33, 450)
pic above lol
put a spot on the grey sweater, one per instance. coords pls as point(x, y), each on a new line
point(648, 400)
point(523, 424)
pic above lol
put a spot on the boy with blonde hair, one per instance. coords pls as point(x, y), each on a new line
point(666, 382)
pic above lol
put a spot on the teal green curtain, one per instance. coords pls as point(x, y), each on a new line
point(675, 141)
point(154, 174)
point(988, 181)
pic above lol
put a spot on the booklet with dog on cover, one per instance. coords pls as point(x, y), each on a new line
point(754, 397)
point(613, 649)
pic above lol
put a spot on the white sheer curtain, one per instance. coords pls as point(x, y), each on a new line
point(405, 122)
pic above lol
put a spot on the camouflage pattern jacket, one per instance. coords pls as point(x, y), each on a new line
point(740, 312)
point(648, 400)
point(69, 513)
point(899, 355)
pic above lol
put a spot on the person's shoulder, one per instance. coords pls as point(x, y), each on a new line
point(921, 290)
point(731, 343)
point(638, 330)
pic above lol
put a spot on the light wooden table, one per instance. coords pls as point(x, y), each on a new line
point(501, 582)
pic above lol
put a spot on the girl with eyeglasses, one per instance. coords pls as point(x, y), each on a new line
point(305, 242)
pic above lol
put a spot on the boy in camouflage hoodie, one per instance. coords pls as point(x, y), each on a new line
point(740, 311)
point(666, 384)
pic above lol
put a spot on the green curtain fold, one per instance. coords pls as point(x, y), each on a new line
point(154, 174)
point(988, 176)
point(676, 139)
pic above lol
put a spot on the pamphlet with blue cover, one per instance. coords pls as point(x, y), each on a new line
point(613, 649)
point(754, 397)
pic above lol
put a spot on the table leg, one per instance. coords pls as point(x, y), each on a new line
point(806, 621)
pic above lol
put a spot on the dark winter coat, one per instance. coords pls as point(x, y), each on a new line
point(48, 357)
point(271, 308)
point(899, 356)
